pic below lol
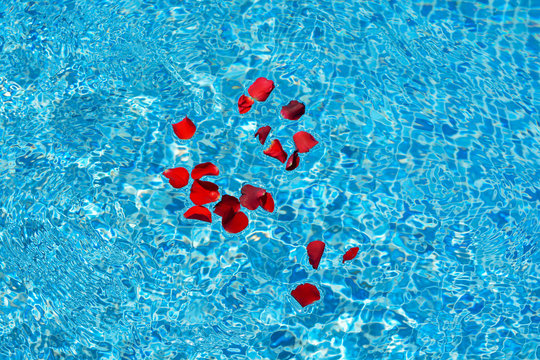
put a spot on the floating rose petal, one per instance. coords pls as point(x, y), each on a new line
point(227, 205)
point(293, 111)
point(204, 169)
point(261, 89)
point(267, 202)
point(251, 196)
point(293, 162)
point(235, 222)
point(184, 129)
point(178, 177)
point(244, 104)
point(275, 150)
point(315, 251)
point(199, 213)
point(350, 254)
point(203, 192)
point(306, 294)
point(263, 133)
point(304, 141)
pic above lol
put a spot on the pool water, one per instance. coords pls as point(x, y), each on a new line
point(427, 117)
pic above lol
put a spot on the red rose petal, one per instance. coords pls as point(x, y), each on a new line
point(184, 129)
point(235, 222)
point(204, 169)
point(263, 133)
point(293, 111)
point(304, 141)
point(261, 89)
point(244, 104)
point(203, 192)
point(251, 196)
point(267, 202)
point(227, 205)
point(315, 251)
point(306, 294)
point(178, 177)
point(275, 150)
point(199, 213)
point(350, 254)
point(293, 162)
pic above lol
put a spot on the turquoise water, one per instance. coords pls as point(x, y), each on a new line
point(427, 116)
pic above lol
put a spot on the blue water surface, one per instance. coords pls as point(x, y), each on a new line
point(427, 116)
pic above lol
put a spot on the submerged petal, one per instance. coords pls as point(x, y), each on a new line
point(262, 133)
point(293, 161)
point(184, 129)
point(315, 250)
point(293, 111)
point(304, 141)
point(244, 104)
point(306, 294)
point(261, 89)
point(204, 169)
point(276, 151)
point(198, 213)
point(350, 254)
point(178, 177)
point(251, 196)
point(203, 192)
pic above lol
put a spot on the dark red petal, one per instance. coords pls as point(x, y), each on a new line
point(315, 251)
point(199, 213)
point(293, 111)
point(261, 89)
point(267, 202)
point(178, 177)
point(203, 192)
point(244, 104)
point(204, 169)
point(263, 133)
point(350, 254)
point(306, 294)
point(235, 222)
point(251, 196)
point(293, 162)
point(184, 129)
point(304, 141)
point(275, 150)
point(227, 205)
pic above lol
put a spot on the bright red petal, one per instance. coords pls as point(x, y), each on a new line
point(251, 196)
point(350, 254)
point(293, 111)
point(244, 104)
point(227, 205)
point(203, 192)
point(199, 213)
point(304, 141)
point(261, 89)
point(293, 162)
point(267, 202)
point(178, 177)
point(276, 151)
point(235, 223)
point(315, 251)
point(306, 294)
point(184, 129)
point(263, 133)
point(204, 169)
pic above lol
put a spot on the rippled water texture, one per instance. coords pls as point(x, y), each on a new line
point(427, 115)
